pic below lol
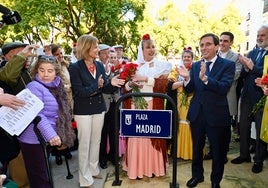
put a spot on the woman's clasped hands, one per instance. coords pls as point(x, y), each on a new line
point(137, 80)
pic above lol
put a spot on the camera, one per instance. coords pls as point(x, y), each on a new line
point(9, 17)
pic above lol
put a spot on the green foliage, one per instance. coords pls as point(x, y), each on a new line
point(63, 21)
point(120, 22)
point(174, 28)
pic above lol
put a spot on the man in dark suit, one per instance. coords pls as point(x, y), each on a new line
point(251, 94)
point(225, 51)
point(210, 80)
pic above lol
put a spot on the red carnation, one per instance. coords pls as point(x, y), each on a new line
point(128, 71)
point(146, 37)
point(264, 80)
point(260, 104)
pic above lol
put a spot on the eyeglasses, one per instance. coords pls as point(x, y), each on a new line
point(47, 58)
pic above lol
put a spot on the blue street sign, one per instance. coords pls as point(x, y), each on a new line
point(146, 123)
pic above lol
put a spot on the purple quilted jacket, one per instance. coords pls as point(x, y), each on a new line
point(48, 114)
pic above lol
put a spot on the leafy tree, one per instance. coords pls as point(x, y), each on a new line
point(173, 29)
point(230, 21)
point(164, 26)
point(120, 22)
point(63, 21)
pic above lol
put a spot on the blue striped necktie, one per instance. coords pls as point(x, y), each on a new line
point(260, 55)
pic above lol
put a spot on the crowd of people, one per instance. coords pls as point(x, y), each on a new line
point(86, 91)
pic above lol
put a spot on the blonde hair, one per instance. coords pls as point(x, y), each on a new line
point(84, 44)
point(147, 43)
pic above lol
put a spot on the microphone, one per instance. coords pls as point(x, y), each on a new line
point(4, 9)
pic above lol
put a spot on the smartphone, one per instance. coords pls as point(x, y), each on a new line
point(40, 51)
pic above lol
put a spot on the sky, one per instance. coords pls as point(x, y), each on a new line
point(214, 4)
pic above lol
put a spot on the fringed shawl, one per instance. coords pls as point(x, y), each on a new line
point(64, 120)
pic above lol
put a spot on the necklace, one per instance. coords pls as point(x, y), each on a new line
point(91, 68)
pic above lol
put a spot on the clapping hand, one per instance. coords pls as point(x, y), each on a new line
point(183, 72)
point(247, 62)
point(116, 81)
point(100, 81)
point(203, 70)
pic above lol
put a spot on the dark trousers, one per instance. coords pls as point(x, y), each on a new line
point(108, 130)
point(228, 138)
point(35, 163)
point(245, 128)
point(218, 139)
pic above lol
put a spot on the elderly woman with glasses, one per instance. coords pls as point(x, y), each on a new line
point(55, 124)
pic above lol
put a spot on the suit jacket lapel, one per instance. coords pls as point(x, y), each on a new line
point(85, 70)
point(259, 56)
point(229, 55)
point(216, 66)
point(263, 55)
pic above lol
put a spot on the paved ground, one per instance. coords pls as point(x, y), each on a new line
point(59, 173)
point(235, 176)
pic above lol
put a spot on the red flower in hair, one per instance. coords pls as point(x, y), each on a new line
point(187, 48)
point(146, 37)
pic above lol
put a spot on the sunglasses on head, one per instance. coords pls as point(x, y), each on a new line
point(47, 58)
